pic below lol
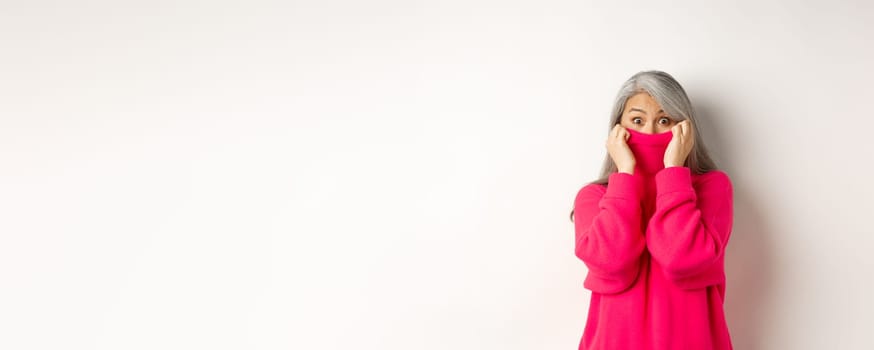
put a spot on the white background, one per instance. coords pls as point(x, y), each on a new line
point(398, 174)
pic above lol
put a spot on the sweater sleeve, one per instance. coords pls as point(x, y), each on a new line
point(609, 234)
point(689, 229)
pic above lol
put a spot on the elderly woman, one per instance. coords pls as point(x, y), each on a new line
point(653, 229)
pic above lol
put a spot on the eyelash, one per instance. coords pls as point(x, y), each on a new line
point(669, 119)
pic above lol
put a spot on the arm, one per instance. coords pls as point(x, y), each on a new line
point(688, 232)
point(609, 236)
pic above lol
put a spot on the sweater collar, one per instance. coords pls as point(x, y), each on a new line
point(649, 150)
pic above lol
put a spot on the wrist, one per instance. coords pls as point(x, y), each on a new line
point(627, 170)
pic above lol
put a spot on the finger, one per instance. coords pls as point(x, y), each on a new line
point(623, 133)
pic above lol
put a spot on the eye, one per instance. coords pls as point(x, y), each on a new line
point(668, 120)
point(634, 119)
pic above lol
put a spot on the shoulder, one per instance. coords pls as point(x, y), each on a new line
point(714, 175)
point(713, 180)
point(590, 191)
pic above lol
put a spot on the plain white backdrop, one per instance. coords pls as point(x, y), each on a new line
point(399, 174)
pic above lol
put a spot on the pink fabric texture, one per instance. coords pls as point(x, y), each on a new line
point(654, 245)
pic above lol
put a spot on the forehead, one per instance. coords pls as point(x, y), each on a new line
point(642, 102)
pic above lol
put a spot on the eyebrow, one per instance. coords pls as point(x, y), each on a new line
point(644, 112)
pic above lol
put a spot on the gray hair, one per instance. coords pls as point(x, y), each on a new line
point(673, 99)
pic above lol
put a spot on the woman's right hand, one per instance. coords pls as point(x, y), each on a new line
point(619, 150)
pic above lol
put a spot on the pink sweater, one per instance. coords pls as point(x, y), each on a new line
point(654, 245)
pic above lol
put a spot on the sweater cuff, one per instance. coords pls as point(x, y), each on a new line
point(674, 179)
point(624, 185)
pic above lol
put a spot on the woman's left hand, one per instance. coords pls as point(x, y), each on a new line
point(681, 144)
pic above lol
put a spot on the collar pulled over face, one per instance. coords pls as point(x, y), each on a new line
point(649, 150)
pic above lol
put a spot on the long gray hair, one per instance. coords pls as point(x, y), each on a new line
point(673, 99)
